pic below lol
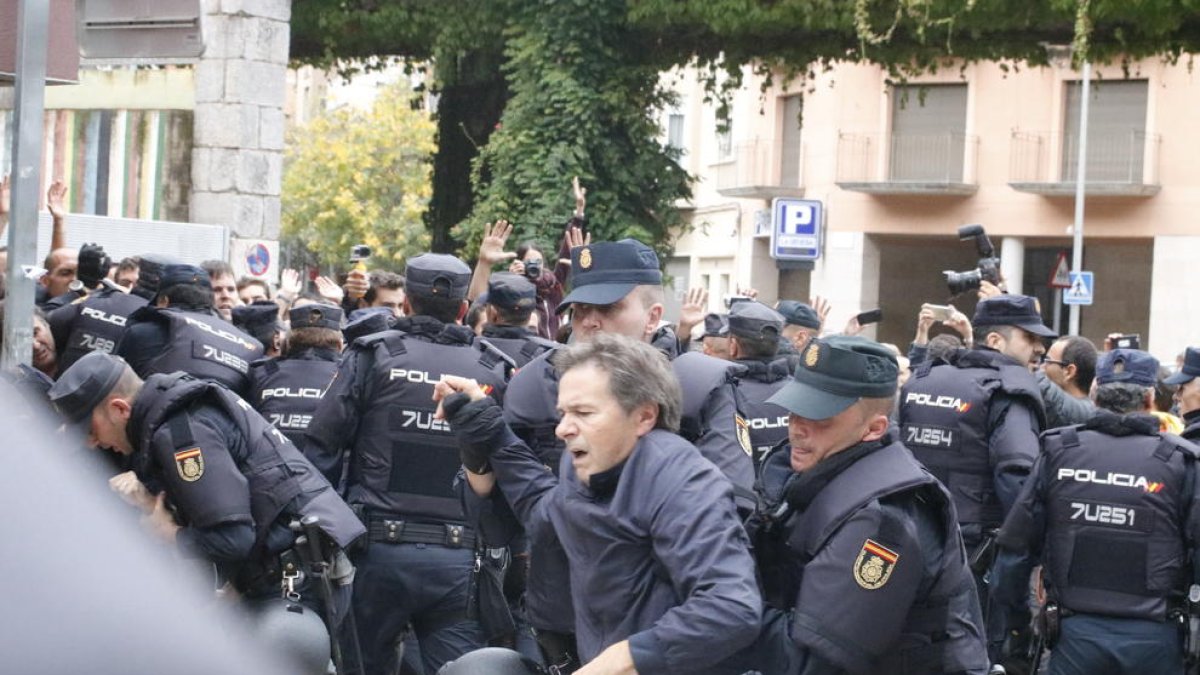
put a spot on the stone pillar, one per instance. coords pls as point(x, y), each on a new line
point(1012, 263)
point(848, 276)
point(1174, 304)
point(241, 85)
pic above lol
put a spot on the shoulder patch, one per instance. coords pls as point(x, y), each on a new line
point(190, 464)
point(743, 434)
point(874, 565)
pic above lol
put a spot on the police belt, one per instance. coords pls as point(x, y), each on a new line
point(393, 531)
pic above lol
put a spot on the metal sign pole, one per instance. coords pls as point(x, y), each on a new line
point(33, 17)
point(1080, 181)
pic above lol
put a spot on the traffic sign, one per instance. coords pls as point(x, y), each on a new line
point(1081, 291)
point(1061, 276)
point(796, 229)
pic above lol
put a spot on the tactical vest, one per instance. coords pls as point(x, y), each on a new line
point(699, 376)
point(530, 408)
point(1114, 513)
point(947, 612)
point(768, 422)
point(99, 324)
point(203, 346)
point(283, 485)
point(286, 391)
point(521, 345)
point(403, 461)
point(944, 412)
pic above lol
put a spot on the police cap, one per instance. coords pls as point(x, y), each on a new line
point(437, 275)
point(1190, 369)
point(755, 320)
point(366, 321)
point(85, 384)
point(1128, 366)
point(603, 273)
point(797, 313)
point(175, 274)
point(834, 372)
point(511, 292)
point(1011, 310)
point(318, 316)
point(258, 317)
point(716, 325)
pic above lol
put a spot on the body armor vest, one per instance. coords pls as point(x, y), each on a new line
point(286, 391)
point(404, 461)
point(768, 422)
point(520, 344)
point(203, 346)
point(281, 482)
point(1114, 513)
point(99, 325)
point(944, 411)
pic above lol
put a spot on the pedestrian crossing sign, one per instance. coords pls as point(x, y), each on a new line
point(1081, 289)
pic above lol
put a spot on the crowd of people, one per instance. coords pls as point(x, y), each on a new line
point(461, 470)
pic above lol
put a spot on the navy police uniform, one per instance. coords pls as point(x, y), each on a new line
point(863, 566)
point(515, 294)
point(287, 390)
point(1108, 510)
point(765, 375)
point(401, 469)
point(1189, 371)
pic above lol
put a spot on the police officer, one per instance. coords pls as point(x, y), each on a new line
point(1187, 395)
point(260, 320)
point(974, 421)
point(181, 332)
point(617, 288)
point(850, 521)
point(1106, 510)
point(801, 322)
point(364, 322)
point(402, 465)
point(511, 300)
point(212, 477)
point(287, 390)
point(714, 341)
point(96, 320)
point(754, 332)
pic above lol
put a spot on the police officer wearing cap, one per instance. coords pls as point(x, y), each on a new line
point(1108, 511)
point(715, 340)
point(180, 331)
point(96, 321)
point(287, 390)
point(367, 320)
point(617, 288)
point(511, 300)
point(402, 465)
point(859, 552)
point(260, 320)
point(801, 322)
point(213, 478)
point(754, 333)
point(1187, 396)
point(974, 421)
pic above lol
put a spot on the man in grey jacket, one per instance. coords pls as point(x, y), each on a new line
point(1065, 378)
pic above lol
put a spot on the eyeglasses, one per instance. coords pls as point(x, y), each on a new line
point(1060, 364)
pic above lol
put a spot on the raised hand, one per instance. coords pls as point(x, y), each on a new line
point(56, 198)
point(495, 236)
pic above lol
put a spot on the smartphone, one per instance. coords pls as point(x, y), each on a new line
point(1131, 341)
point(732, 300)
point(869, 317)
point(940, 312)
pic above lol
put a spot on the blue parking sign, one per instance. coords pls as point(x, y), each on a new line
point(796, 229)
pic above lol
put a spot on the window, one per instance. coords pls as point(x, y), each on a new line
point(1116, 131)
point(928, 141)
point(675, 132)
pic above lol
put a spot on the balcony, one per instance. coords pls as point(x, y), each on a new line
point(907, 164)
point(761, 169)
point(1119, 164)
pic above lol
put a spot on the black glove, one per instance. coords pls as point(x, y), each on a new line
point(94, 264)
point(477, 425)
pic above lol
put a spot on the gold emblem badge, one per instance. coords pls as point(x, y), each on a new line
point(585, 258)
point(190, 464)
point(812, 355)
point(874, 565)
point(743, 433)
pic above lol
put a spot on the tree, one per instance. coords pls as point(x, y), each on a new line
point(355, 177)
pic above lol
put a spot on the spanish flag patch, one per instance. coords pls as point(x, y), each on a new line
point(874, 565)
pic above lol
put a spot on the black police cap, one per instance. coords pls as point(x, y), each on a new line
point(257, 317)
point(834, 373)
point(716, 325)
point(755, 320)
point(1128, 366)
point(175, 274)
point(1190, 369)
point(603, 273)
point(318, 316)
point(1011, 310)
point(150, 269)
point(437, 275)
point(799, 314)
point(85, 384)
point(511, 292)
point(367, 321)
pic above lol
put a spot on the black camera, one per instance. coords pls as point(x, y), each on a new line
point(987, 269)
point(533, 269)
point(359, 253)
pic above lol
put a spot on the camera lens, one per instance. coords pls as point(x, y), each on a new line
point(961, 282)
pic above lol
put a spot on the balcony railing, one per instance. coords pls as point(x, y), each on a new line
point(762, 169)
point(907, 163)
point(1118, 163)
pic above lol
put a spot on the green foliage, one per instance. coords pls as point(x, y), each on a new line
point(355, 177)
point(583, 103)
